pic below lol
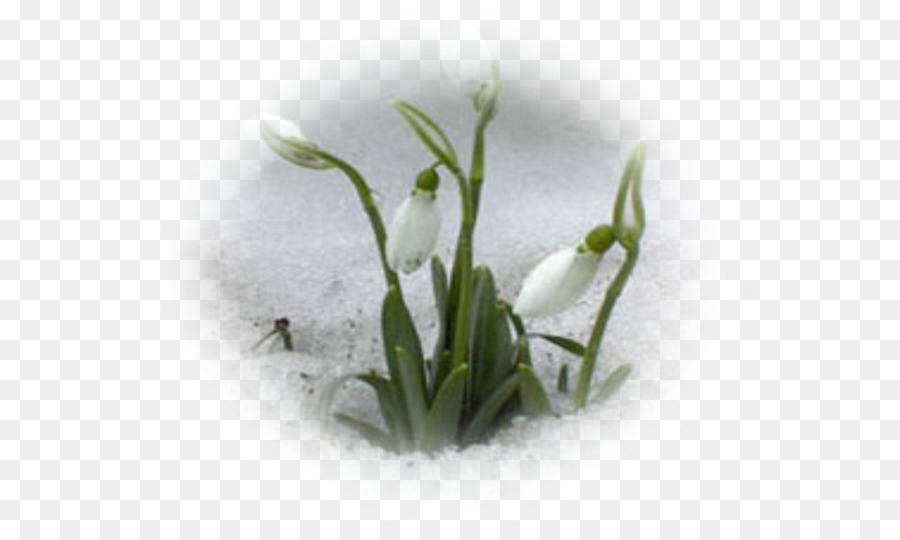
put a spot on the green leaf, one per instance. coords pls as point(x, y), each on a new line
point(441, 290)
point(444, 416)
point(398, 330)
point(391, 407)
point(406, 364)
point(440, 372)
point(431, 135)
point(483, 419)
point(562, 380)
point(517, 322)
point(567, 344)
point(534, 398)
point(491, 352)
point(369, 432)
point(412, 387)
point(397, 325)
point(445, 363)
point(523, 355)
point(523, 347)
point(326, 399)
point(388, 400)
point(612, 383)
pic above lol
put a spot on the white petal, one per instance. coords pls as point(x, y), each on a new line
point(556, 283)
point(413, 234)
point(276, 128)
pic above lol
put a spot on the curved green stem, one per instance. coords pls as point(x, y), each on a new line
point(477, 170)
point(368, 202)
point(586, 373)
point(464, 263)
point(470, 194)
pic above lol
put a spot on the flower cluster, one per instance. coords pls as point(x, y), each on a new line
point(480, 373)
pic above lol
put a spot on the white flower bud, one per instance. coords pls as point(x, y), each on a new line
point(276, 129)
point(288, 141)
point(414, 232)
point(557, 282)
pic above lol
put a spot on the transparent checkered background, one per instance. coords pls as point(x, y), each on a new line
point(772, 411)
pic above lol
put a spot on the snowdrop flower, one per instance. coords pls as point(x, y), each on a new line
point(562, 278)
point(286, 139)
point(414, 232)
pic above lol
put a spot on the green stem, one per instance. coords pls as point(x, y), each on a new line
point(368, 202)
point(586, 372)
point(464, 260)
point(470, 193)
point(477, 170)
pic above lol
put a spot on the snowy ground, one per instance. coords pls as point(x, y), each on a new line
point(303, 250)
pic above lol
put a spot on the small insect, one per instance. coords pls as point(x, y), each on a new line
point(281, 329)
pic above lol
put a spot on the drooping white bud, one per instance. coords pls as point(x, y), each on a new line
point(276, 129)
point(557, 282)
point(413, 234)
point(289, 142)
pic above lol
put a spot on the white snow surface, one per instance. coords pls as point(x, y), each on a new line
point(303, 250)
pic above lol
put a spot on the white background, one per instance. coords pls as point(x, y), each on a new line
point(768, 410)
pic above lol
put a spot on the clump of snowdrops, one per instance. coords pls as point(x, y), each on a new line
point(479, 374)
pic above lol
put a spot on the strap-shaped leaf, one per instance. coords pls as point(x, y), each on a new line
point(412, 384)
point(453, 291)
point(431, 135)
point(441, 287)
point(326, 399)
point(391, 407)
point(403, 351)
point(517, 322)
point(534, 399)
point(397, 325)
point(443, 418)
point(491, 349)
point(523, 347)
point(441, 371)
point(562, 379)
point(398, 330)
point(611, 384)
point(567, 344)
point(483, 419)
point(504, 346)
point(369, 432)
point(523, 355)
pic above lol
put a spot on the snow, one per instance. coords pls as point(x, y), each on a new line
point(303, 250)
